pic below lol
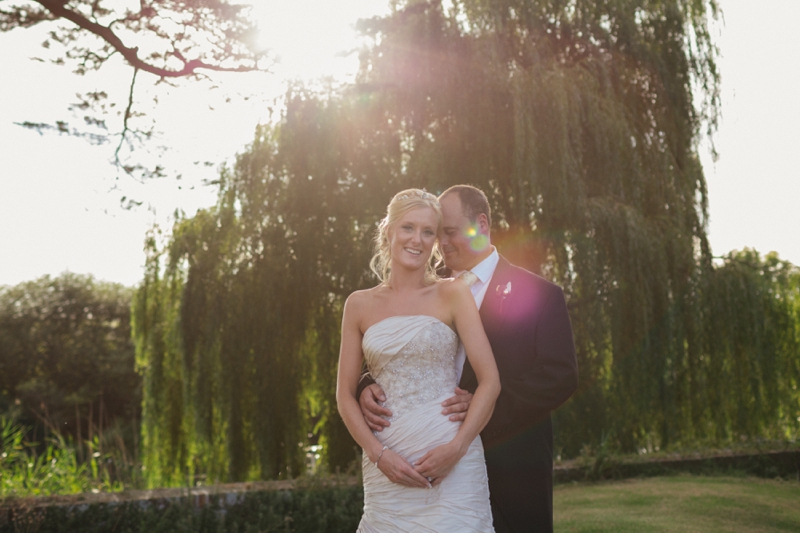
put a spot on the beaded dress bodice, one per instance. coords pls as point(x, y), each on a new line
point(412, 358)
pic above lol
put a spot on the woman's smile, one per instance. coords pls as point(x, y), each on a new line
point(414, 234)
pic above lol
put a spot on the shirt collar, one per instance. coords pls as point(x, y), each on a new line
point(485, 269)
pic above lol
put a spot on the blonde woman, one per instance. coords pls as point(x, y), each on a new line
point(424, 472)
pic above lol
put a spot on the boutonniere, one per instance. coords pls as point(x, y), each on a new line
point(503, 293)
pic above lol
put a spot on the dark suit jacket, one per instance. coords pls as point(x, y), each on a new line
point(526, 321)
point(525, 318)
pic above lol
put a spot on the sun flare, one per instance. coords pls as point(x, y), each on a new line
point(314, 38)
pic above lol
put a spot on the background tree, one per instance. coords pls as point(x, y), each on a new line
point(66, 357)
point(168, 39)
point(248, 305)
point(753, 339)
point(581, 122)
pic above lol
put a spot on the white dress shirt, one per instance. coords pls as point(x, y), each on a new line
point(484, 271)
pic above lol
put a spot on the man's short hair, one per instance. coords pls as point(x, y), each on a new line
point(473, 201)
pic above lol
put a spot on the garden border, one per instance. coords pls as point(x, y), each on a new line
point(784, 464)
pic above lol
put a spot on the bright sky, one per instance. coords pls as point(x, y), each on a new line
point(60, 199)
point(754, 188)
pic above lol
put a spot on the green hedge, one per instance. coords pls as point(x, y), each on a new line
point(315, 507)
point(784, 464)
point(313, 510)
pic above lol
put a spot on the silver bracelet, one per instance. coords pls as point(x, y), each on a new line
point(380, 455)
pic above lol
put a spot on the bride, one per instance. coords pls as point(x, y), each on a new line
point(424, 472)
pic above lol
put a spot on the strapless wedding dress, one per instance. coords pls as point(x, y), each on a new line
point(413, 359)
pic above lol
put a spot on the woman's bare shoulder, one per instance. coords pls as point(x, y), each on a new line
point(452, 288)
point(361, 299)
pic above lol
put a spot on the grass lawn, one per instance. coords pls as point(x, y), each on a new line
point(679, 503)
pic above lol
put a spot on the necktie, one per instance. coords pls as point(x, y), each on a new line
point(469, 278)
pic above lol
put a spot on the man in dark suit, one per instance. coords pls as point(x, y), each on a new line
point(526, 322)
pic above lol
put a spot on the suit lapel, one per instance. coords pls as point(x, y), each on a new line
point(492, 307)
point(491, 315)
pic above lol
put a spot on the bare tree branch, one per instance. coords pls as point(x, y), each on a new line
point(59, 9)
point(171, 39)
point(125, 118)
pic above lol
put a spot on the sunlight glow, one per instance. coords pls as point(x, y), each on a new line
point(314, 38)
point(479, 243)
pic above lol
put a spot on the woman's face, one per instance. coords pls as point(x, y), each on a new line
point(412, 237)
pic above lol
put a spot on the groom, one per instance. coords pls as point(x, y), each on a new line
point(526, 321)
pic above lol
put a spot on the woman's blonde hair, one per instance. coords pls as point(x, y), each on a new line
point(402, 203)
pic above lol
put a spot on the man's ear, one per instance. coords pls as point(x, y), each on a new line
point(483, 224)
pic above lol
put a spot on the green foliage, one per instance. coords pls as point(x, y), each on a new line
point(776, 459)
point(153, 322)
point(238, 338)
point(752, 334)
point(581, 122)
point(24, 471)
point(312, 508)
point(66, 357)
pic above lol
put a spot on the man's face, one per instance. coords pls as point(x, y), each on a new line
point(464, 243)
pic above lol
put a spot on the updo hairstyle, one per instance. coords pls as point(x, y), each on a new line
point(402, 203)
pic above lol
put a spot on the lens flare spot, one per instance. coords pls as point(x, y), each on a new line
point(471, 232)
point(479, 243)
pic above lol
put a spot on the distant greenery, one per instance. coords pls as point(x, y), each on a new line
point(54, 468)
point(66, 355)
point(677, 504)
point(69, 392)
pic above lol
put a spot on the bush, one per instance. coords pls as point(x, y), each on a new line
point(314, 508)
point(27, 469)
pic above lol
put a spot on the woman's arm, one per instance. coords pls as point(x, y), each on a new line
point(438, 462)
point(395, 467)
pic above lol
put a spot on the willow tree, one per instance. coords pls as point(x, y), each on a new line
point(753, 347)
point(237, 319)
point(581, 121)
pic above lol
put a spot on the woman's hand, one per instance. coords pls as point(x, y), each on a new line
point(438, 462)
point(398, 470)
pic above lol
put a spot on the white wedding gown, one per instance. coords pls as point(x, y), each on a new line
point(413, 359)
